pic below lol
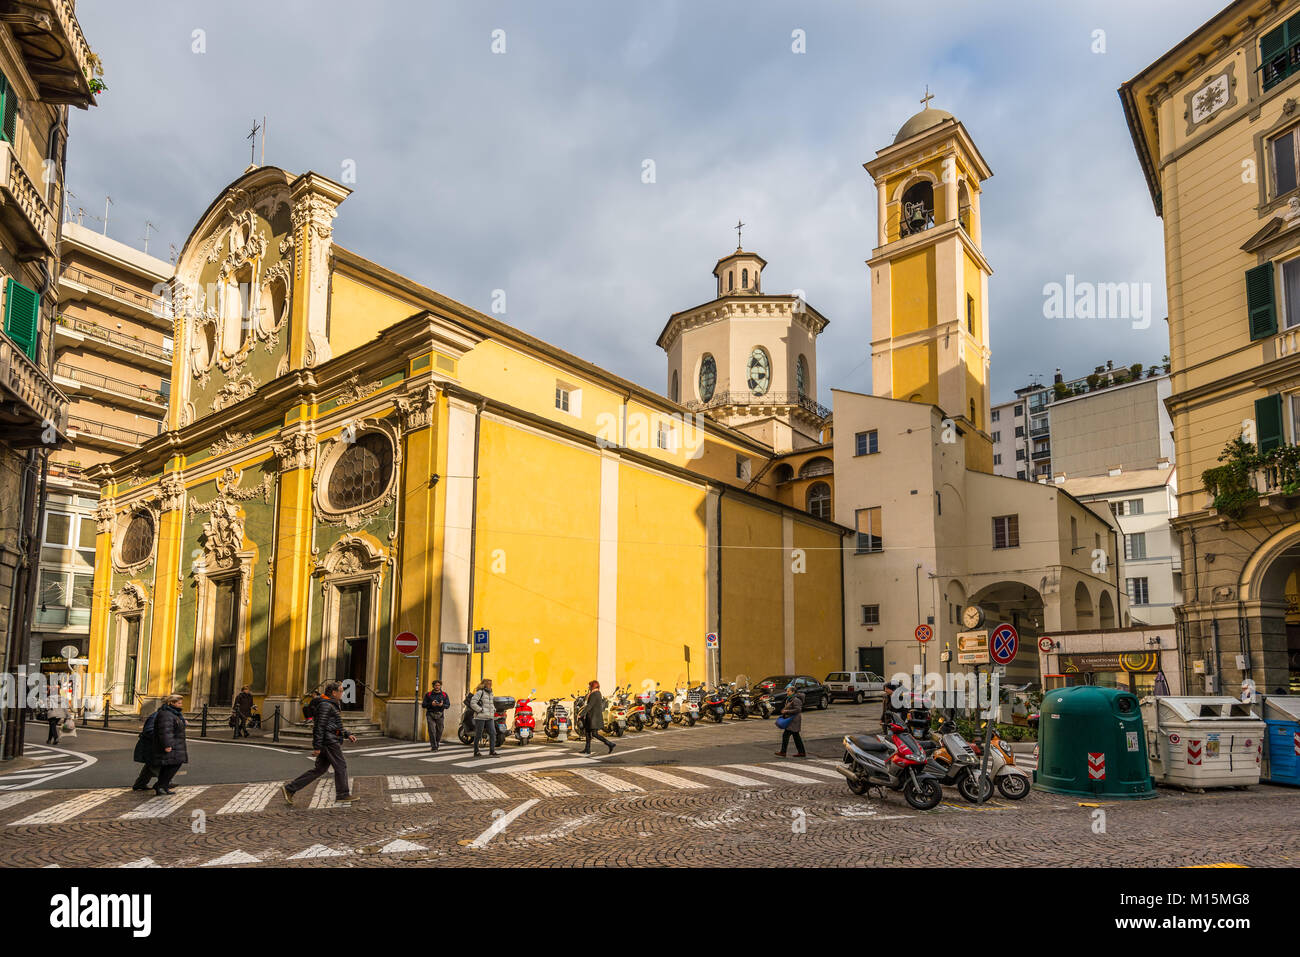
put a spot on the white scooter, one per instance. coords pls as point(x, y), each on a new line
point(1011, 780)
point(686, 707)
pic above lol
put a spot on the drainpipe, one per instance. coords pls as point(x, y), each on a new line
point(717, 675)
point(473, 543)
point(1214, 632)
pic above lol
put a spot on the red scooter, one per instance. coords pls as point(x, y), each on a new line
point(524, 726)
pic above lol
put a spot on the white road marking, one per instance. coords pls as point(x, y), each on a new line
point(547, 786)
point(10, 798)
point(70, 761)
point(323, 796)
point(399, 748)
point(163, 804)
point(500, 824)
point(67, 810)
point(404, 782)
point(458, 755)
point(607, 781)
point(725, 776)
point(813, 769)
point(781, 775)
point(654, 774)
point(412, 797)
point(234, 857)
point(399, 846)
point(540, 765)
point(317, 850)
point(142, 862)
point(501, 758)
point(477, 788)
point(253, 798)
point(621, 752)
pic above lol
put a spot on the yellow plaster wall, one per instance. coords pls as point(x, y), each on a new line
point(753, 633)
point(360, 311)
point(819, 644)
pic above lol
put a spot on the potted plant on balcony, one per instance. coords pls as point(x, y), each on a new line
point(1230, 483)
point(95, 73)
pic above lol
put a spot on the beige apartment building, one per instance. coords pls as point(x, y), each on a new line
point(112, 344)
point(46, 67)
point(1217, 132)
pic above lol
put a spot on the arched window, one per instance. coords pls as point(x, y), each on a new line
point(744, 279)
point(801, 376)
point(731, 279)
point(819, 500)
point(676, 395)
point(918, 209)
point(972, 412)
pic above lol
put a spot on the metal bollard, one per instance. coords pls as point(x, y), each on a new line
point(275, 734)
point(203, 725)
point(106, 700)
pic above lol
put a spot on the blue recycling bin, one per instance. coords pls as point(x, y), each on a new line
point(1282, 751)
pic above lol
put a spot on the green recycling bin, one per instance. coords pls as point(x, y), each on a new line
point(1091, 744)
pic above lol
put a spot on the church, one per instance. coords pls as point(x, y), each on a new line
point(349, 456)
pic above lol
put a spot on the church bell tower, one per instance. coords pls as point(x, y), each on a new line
point(929, 277)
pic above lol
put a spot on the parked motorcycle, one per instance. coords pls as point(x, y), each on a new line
point(578, 726)
point(661, 713)
point(955, 762)
point(686, 705)
point(638, 708)
point(714, 705)
point(555, 723)
point(499, 706)
point(525, 725)
point(739, 703)
point(615, 715)
point(1012, 781)
point(893, 759)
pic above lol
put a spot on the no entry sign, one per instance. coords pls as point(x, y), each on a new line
point(924, 633)
point(406, 643)
point(1004, 642)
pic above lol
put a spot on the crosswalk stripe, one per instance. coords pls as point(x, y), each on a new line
point(412, 797)
point(726, 776)
point(672, 780)
point(527, 754)
point(10, 798)
point(67, 810)
point(477, 788)
point(234, 857)
point(541, 765)
point(773, 773)
point(814, 769)
point(142, 862)
point(253, 798)
point(323, 796)
point(547, 786)
point(400, 846)
point(607, 781)
point(417, 747)
point(163, 804)
point(316, 850)
point(404, 782)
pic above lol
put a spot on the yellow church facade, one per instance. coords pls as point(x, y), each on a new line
point(350, 455)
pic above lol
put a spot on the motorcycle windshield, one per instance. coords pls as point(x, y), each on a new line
point(742, 682)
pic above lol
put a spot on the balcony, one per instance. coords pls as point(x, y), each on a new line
point(75, 331)
point(113, 296)
point(23, 210)
point(104, 436)
point(1038, 430)
point(1278, 486)
point(1287, 343)
point(771, 399)
point(54, 49)
point(117, 393)
point(33, 411)
point(1040, 455)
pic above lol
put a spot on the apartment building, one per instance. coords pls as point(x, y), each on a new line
point(46, 67)
point(112, 345)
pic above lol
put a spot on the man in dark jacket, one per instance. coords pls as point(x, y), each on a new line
point(169, 743)
point(327, 744)
point(593, 717)
point(144, 755)
point(243, 711)
point(435, 703)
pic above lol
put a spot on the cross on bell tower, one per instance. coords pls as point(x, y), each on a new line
point(925, 100)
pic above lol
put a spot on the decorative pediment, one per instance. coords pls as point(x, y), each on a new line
point(351, 555)
point(129, 599)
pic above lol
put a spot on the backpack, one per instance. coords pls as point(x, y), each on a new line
point(149, 722)
point(309, 709)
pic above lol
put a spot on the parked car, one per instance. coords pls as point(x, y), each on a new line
point(815, 694)
point(855, 685)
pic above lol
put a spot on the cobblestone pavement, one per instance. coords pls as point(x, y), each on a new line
point(653, 814)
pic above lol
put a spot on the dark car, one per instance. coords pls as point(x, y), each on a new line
point(815, 694)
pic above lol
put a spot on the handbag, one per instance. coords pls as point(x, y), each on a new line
point(784, 721)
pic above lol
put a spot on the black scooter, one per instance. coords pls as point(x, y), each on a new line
point(499, 706)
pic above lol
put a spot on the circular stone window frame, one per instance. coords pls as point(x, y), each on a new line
point(332, 451)
point(119, 537)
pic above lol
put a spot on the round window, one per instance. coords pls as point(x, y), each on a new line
point(362, 472)
point(708, 377)
point(137, 543)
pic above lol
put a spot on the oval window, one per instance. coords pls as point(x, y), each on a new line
point(708, 377)
point(362, 472)
point(137, 542)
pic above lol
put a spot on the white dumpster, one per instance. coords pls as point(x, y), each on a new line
point(1203, 742)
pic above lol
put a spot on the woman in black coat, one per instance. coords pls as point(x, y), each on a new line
point(593, 716)
point(169, 743)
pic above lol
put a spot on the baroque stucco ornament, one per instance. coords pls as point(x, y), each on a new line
point(171, 493)
point(296, 451)
point(129, 599)
point(416, 409)
point(351, 555)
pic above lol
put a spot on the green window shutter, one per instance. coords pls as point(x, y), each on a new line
point(1272, 43)
point(8, 109)
point(1259, 302)
point(22, 312)
point(1268, 422)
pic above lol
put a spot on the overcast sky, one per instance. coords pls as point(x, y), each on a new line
point(522, 170)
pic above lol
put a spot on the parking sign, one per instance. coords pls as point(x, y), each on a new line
point(481, 641)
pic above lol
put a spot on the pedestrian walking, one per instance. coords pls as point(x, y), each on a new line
point(793, 712)
point(55, 714)
point(327, 742)
point(243, 708)
point(169, 749)
point(435, 703)
point(144, 755)
point(593, 717)
point(484, 716)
